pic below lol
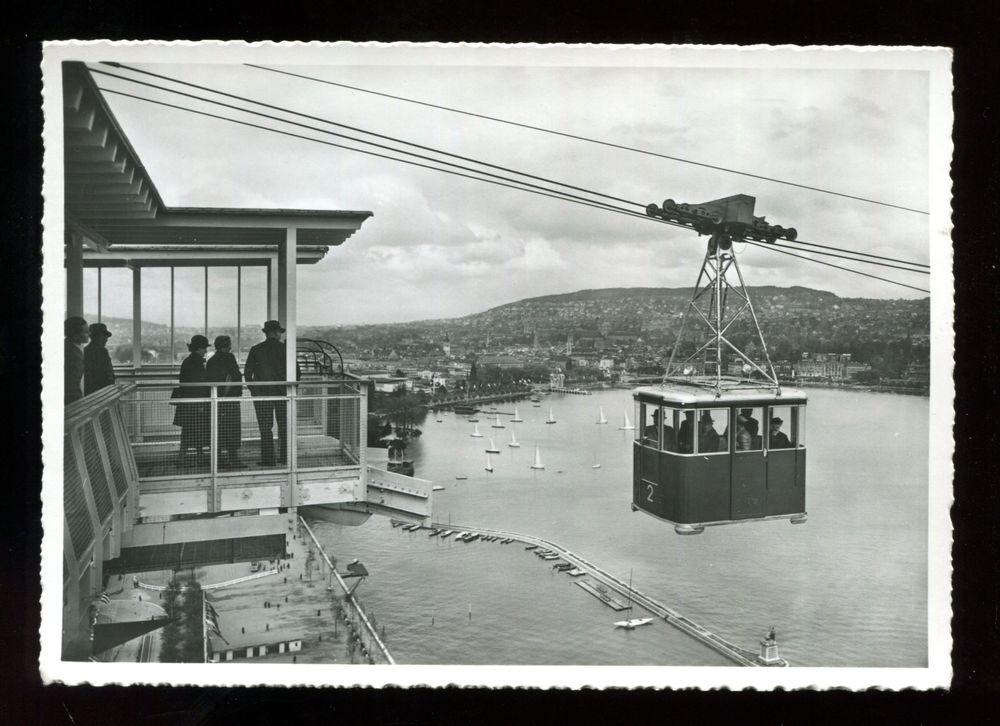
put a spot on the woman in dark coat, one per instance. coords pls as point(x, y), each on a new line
point(223, 368)
point(193, 418)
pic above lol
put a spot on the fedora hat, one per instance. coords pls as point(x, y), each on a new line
point(198, 341)
point(272, 325)
point(99, 329)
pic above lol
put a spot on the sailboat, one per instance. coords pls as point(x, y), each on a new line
point(489, 464)
point(595, 464)
point(476, 432)
point(631, 623)
point(538, 459)
point(513, 439)
point(517, 417)
point(551, 419)
point(602, 419)
point(496, 423)
point(493, 448)
point(627, 426)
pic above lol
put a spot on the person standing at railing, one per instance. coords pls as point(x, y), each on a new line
point(266, 362)
point(194, 418)
point(98, 371)
point(223, 368)
point(77, 334)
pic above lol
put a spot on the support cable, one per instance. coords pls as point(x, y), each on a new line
point(587, 139)
point(412, 144)
point(517, 184)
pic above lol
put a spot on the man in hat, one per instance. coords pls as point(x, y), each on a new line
point(708, 437)
point(98, 371)
point(77, 334)
point(193, 417)
point(266, 362)
point(777, 439)
point(752, 424)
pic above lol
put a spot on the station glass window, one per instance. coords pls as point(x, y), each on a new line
point(749, 436)
point(784, 427)
point(649, 423)
point(712, 431)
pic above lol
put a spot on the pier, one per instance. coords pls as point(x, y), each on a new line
point(740, 656)
point(515, 396)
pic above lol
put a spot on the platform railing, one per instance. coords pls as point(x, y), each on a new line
point(100, 489)
point(228, 433)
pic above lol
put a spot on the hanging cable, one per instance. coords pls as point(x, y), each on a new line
point(838, 267)
point(519, 185)
point(587, 139)
point(415, 145)
point(339, 125)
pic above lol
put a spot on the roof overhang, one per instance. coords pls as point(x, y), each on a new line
point(111, 200)
point(197, 255)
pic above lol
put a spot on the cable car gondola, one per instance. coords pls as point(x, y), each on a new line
point(702, 459)
point(711, 449)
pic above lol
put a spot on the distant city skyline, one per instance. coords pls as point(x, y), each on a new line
point(440, 246)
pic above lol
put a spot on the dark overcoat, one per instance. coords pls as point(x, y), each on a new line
point(98, 369)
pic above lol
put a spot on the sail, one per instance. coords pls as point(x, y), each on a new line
point(476, 432)
point(489, 464)
point(513, 438)
point(552, 419)
point(602, 419)
point(517, 416)
point(538, 459)
point(627, 426)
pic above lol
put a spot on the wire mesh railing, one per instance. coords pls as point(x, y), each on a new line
point(219, 429)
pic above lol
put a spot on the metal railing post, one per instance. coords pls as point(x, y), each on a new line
point(292, 447)
point(214, 445)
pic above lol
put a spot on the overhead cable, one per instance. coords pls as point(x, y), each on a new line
point(415, 145)
point(519, 185)
point(587, 139)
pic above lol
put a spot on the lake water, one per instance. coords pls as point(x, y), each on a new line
point(848, 588)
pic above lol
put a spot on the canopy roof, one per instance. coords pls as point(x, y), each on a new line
point(111, 200)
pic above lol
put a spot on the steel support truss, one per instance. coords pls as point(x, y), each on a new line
point(715, 306)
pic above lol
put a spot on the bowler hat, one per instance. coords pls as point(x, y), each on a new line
point(99, 329)
point(198, 341)
point(776, 421)
point(272, 325)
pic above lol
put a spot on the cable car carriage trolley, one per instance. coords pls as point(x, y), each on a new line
point(712, 449)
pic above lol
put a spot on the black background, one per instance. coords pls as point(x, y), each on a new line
point(969, 28)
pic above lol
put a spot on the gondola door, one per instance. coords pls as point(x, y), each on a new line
point(749, 471)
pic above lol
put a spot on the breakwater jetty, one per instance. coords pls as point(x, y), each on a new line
point(603, 581)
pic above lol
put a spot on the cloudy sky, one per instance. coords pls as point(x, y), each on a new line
point(441, 246)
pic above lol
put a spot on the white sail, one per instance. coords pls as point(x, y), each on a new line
point(476, 432)
point(627, 426)
point(602, 419)
point(538, 459)
point(496, 422)
point(551, 419)
point(489, 464)
point(517, 417)
point(493, 448)
point(513, 439)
